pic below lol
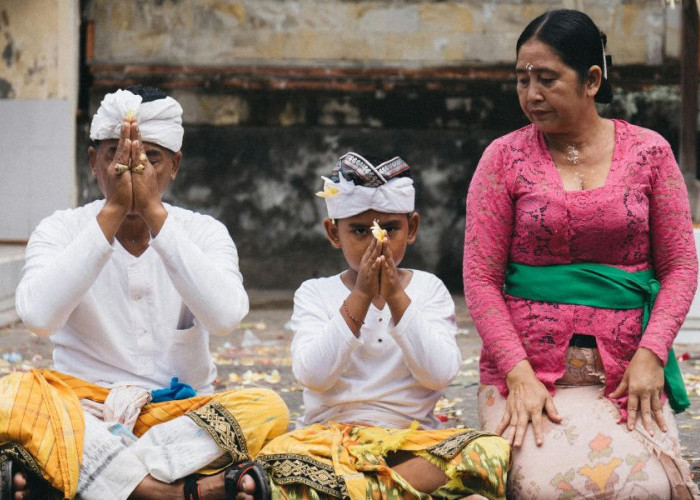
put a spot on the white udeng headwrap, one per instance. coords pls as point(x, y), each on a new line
point(345, 199)
point(160, 121)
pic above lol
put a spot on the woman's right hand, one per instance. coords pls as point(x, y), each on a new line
point(527, 397)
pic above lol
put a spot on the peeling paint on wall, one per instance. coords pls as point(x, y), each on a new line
point(6, 90)
point(8, 53)
point(38, 48)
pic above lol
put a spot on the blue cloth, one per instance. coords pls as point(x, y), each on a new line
point(177, 390)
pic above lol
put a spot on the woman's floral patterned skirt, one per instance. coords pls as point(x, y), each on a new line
point(590, 454)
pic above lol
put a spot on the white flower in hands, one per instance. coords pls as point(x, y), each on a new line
point(379, 233)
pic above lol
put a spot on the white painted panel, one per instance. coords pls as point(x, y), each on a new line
point(37, 164)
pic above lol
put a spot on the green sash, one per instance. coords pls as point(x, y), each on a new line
point(597, 285)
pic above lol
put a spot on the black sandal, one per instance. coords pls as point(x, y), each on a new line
point(6, 492)
point(39, 488)
point(235, 474)
point(191, 487)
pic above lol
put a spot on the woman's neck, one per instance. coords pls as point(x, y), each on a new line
point(585, 135)
point(578, 145)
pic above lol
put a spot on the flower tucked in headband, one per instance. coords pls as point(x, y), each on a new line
point(356, 185)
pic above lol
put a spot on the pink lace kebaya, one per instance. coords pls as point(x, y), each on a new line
point(518, 211)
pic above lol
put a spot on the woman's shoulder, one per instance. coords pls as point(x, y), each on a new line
point(641, 136)
point(507, 154)
point(522, 136)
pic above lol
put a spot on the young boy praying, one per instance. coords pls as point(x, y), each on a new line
point(374, 347)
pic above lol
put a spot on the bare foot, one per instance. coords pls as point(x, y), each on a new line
point(19, 484)
point(248, 487)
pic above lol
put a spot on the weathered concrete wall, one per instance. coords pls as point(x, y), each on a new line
point(275, 90)
point(366, 32)
point(39, 49)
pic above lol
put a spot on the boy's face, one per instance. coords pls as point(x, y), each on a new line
point(354, 234)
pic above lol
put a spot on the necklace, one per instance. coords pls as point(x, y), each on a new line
point(572, 154)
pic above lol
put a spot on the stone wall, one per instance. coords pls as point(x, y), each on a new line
point(275, 91)
point(409, 33)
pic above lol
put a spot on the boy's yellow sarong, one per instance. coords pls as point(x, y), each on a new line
point(41, 422)
point(349, 461)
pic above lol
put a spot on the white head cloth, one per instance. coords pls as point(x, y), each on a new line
point(160, 121)
point(390, 195)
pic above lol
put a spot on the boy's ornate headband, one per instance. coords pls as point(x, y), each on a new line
point(356, 185)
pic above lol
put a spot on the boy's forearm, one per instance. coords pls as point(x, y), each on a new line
point(398, 305)
point(354, 309)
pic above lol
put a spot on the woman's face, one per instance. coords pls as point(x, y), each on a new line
point(550, 92)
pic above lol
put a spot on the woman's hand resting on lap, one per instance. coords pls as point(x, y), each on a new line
point(527, 397)
point(643, 381)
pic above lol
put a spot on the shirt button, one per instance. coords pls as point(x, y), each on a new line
point(380, 319)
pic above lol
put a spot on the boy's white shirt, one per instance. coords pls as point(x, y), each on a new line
point(390, 375)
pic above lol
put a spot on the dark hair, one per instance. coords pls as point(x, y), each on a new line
point(148, 94)
point(577, 40)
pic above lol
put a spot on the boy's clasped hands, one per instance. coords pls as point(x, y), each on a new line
point(378, 275)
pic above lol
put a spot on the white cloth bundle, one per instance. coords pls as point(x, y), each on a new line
point(160, 121)
point(396, 196)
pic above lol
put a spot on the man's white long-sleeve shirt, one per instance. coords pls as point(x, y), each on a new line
point(390, 375)
point(118, 319)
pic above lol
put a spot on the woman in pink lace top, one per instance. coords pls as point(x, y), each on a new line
point(573, 187)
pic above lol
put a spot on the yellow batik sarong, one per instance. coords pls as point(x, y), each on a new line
point(349, 461)
point(41, 422)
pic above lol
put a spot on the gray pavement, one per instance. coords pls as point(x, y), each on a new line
point(257, 354)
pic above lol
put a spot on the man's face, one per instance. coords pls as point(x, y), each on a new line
point(165, 162)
